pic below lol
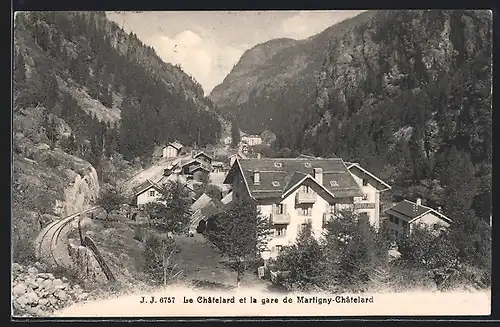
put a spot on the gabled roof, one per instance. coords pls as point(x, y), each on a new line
point(355, 166)
point(201, 153)
point(202, 201)
point(195, 168)
point(146, 185)
point(176, 144)
point(413, 211)
point(286, 172)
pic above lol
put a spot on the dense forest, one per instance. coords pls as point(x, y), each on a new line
point(61, 55)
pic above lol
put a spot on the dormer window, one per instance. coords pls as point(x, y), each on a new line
point(276, 183)
point(256, 178)
point(334, 183)
point(307, 165)
point(277, 164)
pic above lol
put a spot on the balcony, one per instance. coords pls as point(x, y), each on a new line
point(280, 218)
point(305, 197)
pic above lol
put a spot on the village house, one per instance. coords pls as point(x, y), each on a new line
point(203, 209)
point(232, 158)
point(406, 214)
point(251, 140)
point(172, 150)
point(203, 156)
point(293, 191)
point(147, 192)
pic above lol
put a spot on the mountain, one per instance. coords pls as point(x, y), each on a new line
point(90, 103)
point(272, 76)
point(405, 93)
point(91, 68)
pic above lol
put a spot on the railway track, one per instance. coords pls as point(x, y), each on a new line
point(48, 239)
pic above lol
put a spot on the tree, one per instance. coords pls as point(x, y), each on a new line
point(172, 212)
point(158, 258)
point(303, 262)
point(241, 233)
point(110, 199)
point(356, 254)
point(19, 69)
point(235, 133)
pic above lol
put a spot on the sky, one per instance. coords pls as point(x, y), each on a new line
point(207, 44)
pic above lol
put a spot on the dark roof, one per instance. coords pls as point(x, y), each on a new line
point(201, 153)
point(288, 171)
point(176, 145)
point(147, 184)
point(195, 168)
point(412, 210)
point(408, 209)
point(382, 186)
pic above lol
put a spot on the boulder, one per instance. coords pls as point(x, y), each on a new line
point(19, 289)
point(32, 271)
point(62, 295)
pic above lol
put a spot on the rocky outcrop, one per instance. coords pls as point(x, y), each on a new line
point(37, 293)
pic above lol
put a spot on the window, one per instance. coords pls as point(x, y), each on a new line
point(365, 196)
point(307, 165)
point(277, 164)
point(306, 210)
point(278, 249)
point(276, 183)
point(152, 193)
point(396, 221)
point(334, 183)
point(306, 189)
point(330, 208)
point(280, 230)
point(280, 209)
point(365, 182)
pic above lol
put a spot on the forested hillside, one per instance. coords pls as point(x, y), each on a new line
point(87, 95)
point(407, 94)
point(108, 86)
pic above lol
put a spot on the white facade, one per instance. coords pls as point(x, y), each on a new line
point(228, 140)
point(398, 226)
point(370, 203)
point(251, 140)
point(148, 195)
point(170, 152)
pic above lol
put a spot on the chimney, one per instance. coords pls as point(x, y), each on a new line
point(419, 201)
point(318, 175)
point(440, 209)
point(256, 178)
point(258, 155)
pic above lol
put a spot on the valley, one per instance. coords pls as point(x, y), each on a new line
point(118, 156)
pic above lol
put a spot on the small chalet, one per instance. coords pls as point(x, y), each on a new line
point(203, 209)
point(203, 156)
point(147, 192)
point(172, 150)
point(233, 157)
point(406, 214)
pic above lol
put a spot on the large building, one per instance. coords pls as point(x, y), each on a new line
point(292, 191)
